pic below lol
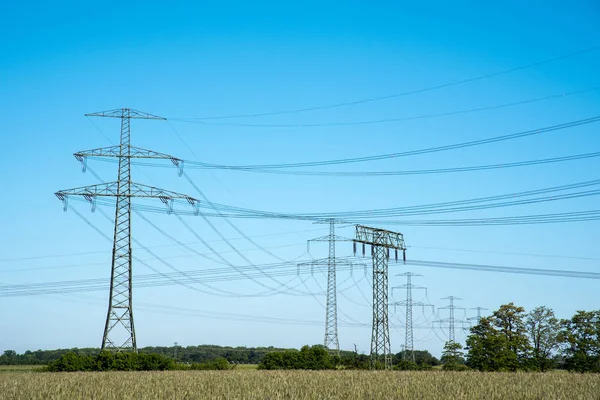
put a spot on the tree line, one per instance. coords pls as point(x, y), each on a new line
point(513, 340)
point(107, 361)
point(510, 339)
point(187, 354)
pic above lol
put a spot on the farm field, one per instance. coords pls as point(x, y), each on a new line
point(13, 368)
point(248, 384)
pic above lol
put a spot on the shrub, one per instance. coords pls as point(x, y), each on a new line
point(313, 358)
point(455, 367)
point(106, 361)
point(405, 365)
point(217, 364)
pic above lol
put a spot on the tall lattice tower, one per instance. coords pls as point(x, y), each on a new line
point(381, 242)
point(452, 319)
point(331, 340)
point(478, 317)
point(119, 329)
point(409, 345)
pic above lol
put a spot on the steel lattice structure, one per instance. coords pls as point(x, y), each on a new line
point(409, 304)
point(119, 329)
point(381, 242)
point(331, 325)
point(478, 317)
point(451, 320)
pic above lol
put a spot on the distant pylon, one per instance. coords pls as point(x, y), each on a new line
point(331, 340)
point(409, 348)
point(478, 317)
point(451, 320)
point(331, 328)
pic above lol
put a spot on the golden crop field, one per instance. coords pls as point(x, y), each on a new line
point(250, 384)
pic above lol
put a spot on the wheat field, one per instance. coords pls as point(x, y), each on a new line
point(298, 385)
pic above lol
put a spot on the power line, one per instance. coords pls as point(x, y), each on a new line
point(276, 269)
point(224, 261)
point(575, 157)
point(512, 270)
point(218, 254)
point(426, 209)
point(508, 253)
point(568, 217)
point(565, 217)
point(406, 93)
point(388, 120)
point(428, 150)
point(224, 217)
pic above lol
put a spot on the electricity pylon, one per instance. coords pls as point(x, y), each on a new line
point(331, 326)
point(409, 304)
point(451, 320)
point(478, 317)
point(381, 242)
point(119, 330)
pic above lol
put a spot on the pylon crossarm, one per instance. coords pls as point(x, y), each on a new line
point(115, 151)
point(325, 261)
point(124, 113)
point(379, 237)
point(328, 238)
point(137, 190)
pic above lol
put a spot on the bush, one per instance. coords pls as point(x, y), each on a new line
point(455, 367)
point(425, 367)
point(405, 365)
point(71, 362)
point(313, 358)
point(106, 361)
point(217, 364)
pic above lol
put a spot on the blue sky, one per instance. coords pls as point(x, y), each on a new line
point(202, 59)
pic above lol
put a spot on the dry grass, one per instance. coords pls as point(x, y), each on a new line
point(8, 368)
point(297, 385)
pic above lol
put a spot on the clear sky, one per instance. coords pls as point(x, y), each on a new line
point(205, 59)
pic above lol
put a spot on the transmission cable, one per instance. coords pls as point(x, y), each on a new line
point(435, 171)
point(406, 93)
point(428, 150)
point(388, 120)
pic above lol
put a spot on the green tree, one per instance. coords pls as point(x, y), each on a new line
point(510, 321)
point(487, 347)
point(543, 329)
point(315, 358)
point(406, 365)
point(71, 362)
point(452, 357)
point(580, 338)
point(421, 357)
point(499, 342)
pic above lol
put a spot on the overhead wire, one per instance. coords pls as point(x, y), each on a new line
point(405, 93)
point(278, 269)
point(388, 120)
point(213, 227)
point(433, 171)
point(423, 209)
point(219, 255)
point(269, 291)
point(428, 150)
